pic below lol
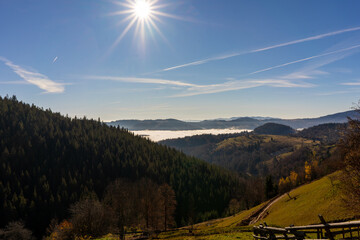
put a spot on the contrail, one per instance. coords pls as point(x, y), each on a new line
point(316, 37)
point(304, 59)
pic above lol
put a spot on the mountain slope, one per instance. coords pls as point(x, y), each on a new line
point(309, 122)
point(48, 162)
point(328, 133)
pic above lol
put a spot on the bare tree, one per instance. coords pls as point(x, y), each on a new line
point(150, 203)
point(350, 151)
point(89, 217)
point(15, 231)
point(234, 206)
point(167, 205)
point(121, 198)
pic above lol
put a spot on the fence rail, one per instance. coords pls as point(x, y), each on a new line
point(331, 231)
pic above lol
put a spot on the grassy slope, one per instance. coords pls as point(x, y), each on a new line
point(319, 197)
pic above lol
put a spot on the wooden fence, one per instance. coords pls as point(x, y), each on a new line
point(332, 231)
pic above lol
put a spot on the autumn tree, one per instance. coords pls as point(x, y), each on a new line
point(60, 231)
point(294, 179)
point(284, 185)
point(350, 153)
point(288, 183)
point(167, 205)
point(307, 170)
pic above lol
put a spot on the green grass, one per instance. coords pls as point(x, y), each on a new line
point(223, 229)
point(319, 197)
point(108, 237)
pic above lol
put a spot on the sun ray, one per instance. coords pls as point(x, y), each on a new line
point(166, 15)
point(143, 16)
point(123, 33)
point(153, 24)
point(120, 12)
point(127, 19)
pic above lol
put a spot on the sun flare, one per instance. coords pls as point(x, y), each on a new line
point(142, 9)
point(143, 16)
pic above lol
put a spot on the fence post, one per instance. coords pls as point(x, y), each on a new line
point(327, 229)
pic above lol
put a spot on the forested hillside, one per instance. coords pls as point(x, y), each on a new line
point(327, 133)
point(48, 161)
point(260, 155)
point(274, 129)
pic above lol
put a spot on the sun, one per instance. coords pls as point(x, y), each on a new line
point(143, 15)
point(142, 9)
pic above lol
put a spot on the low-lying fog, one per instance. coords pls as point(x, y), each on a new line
point(158, 135)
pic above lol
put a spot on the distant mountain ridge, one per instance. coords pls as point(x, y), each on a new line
point(239, 123)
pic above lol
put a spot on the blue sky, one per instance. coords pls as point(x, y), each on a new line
point(203, 59)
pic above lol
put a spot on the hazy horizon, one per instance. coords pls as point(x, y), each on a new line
point(226, 118)
point(159, 135)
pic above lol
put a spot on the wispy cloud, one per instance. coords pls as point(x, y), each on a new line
point(242, 84)
point(351, 83)
point(304, 74)
point(307, 59)
point(226, 56)
point(15, 82)
point(292, 80)
point(37, 79)
point(141, 80)
point(337, 93)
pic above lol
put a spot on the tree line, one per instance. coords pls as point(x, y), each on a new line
point(126, 206)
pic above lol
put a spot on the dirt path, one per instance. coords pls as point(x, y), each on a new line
point(264, 210)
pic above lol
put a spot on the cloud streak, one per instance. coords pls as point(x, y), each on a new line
point(37, 79)
point(239, 85)
point(351, 83)
point(141, 80)
point(306, 59)
point(196, 89)
point(312, 38)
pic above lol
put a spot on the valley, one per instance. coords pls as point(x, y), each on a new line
point(179, 119)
